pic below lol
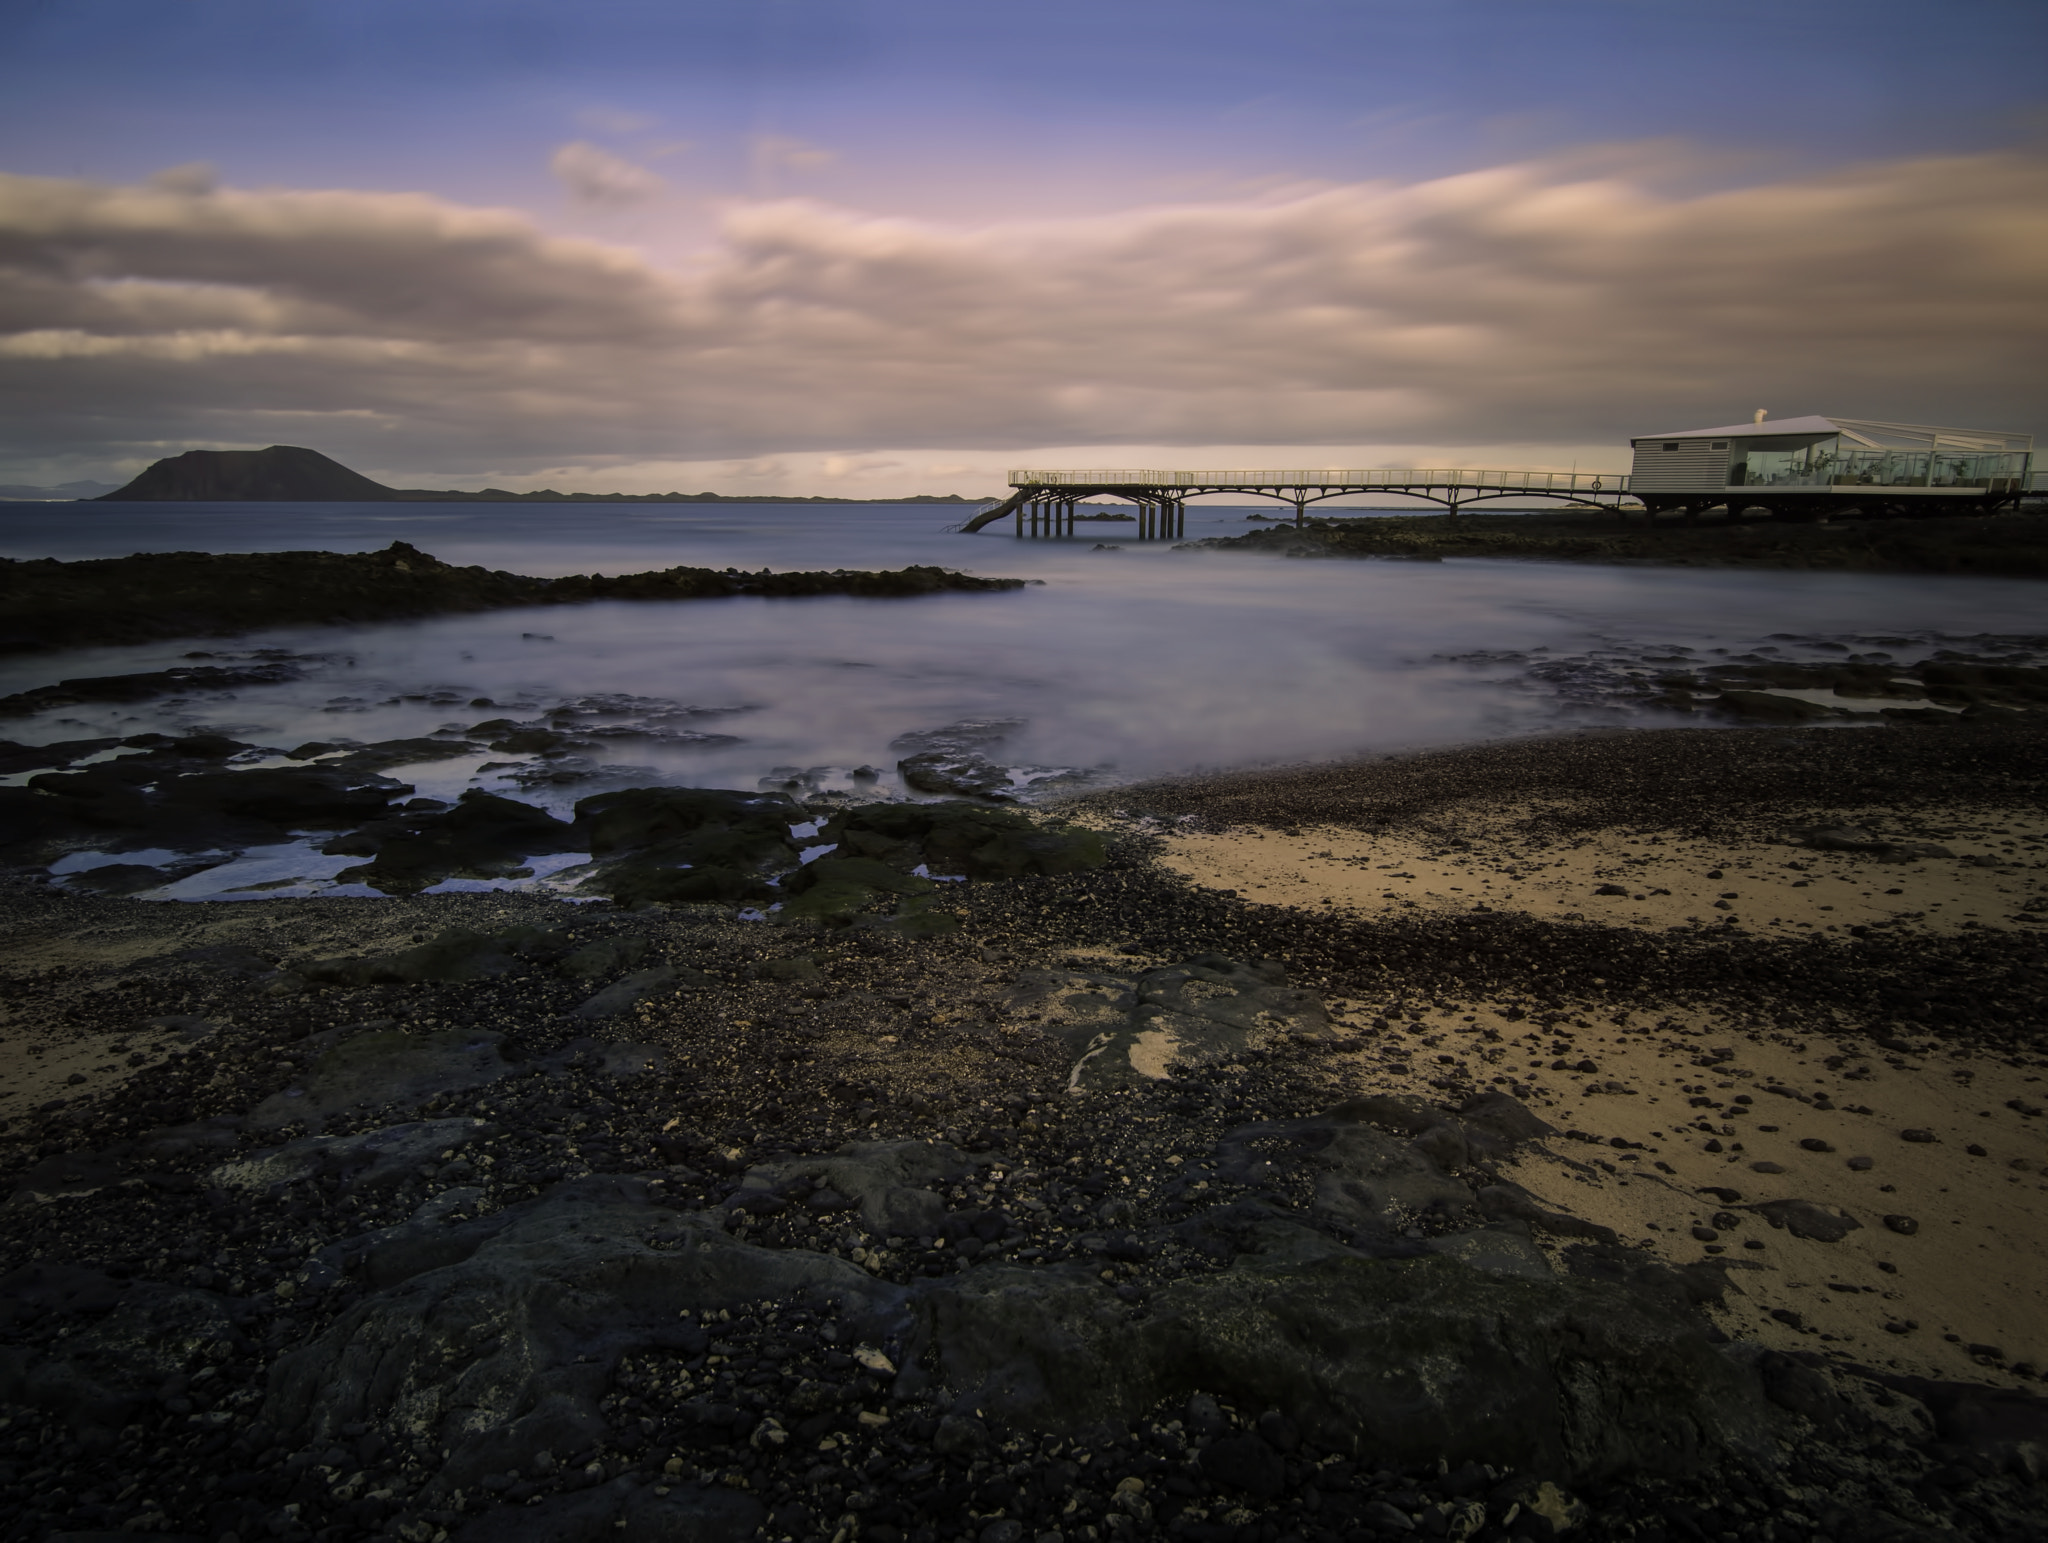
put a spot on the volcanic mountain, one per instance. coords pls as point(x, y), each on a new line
point(283, 473)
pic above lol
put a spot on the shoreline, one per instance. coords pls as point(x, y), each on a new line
point(47, 604)
point(954, 1154)
point(2013, 545)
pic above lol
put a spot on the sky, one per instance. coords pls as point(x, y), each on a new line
point(880, 247)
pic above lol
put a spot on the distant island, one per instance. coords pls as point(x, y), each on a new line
point(291, 474)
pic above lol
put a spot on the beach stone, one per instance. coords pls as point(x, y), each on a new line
point(1767, 1167)
point(1246, 1464)
point(1920, 1137)
point(1904, 1226)
point(958, 1435)
point(1804, 1219)
point(1862, 1164)
point(1386, 1518)
point(1815, 1144)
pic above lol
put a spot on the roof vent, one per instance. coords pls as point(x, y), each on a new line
point(1761, 414)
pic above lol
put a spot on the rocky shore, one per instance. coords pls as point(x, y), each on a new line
point(1095, 1194)
point(2004, 545)
point(46, 604)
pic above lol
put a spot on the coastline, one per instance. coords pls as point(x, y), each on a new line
point(150, 597)
point(953, 1154)
point(2002, 546)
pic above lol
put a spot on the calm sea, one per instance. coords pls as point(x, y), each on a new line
point(1123, 663)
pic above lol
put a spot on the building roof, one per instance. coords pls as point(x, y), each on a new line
point(1813, 425)
point(1864, 431)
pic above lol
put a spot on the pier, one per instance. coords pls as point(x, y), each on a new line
point(1045, 504)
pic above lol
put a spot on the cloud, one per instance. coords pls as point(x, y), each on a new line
point(1526, 303)
point(594, 175)
point(614, 120)
point(780, 152)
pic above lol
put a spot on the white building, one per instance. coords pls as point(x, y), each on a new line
point(1837, 461)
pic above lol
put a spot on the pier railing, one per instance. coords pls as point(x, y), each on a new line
point(1453, 477)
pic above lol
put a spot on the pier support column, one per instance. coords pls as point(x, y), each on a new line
point(1300, 512)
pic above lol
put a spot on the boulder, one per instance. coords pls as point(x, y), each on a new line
point(483, 836)
point(687, 844)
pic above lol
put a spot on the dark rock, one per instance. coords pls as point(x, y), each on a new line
point(959, 1435)
point(621, 995)
point(142, 687)
point(1804, 1219)
point(967, 840)
point(621, 1510)
point(687, 844)
point(602, 957)
point(836, 890)
point(965, 775)
point(380, 1065)
point(482, 836)
point(455, 955)
point(1904, 1226)
point(1922, 1137)
point(1246, 1464)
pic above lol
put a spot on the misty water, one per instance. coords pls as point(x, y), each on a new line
point(1118, 665)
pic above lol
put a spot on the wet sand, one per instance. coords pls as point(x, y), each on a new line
point(1807, 1102)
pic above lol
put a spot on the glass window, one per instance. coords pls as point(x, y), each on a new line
point(1777, 463)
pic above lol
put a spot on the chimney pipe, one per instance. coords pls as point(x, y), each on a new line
point(1761, 414)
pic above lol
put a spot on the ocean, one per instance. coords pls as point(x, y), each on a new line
point(1123, 661)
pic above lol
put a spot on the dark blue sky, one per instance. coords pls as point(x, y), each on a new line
point(933, 105)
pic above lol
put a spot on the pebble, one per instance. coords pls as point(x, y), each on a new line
point(1904, 1226)
point(1862, 1164)
point(1920, 1137)
point(1766, 1167)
